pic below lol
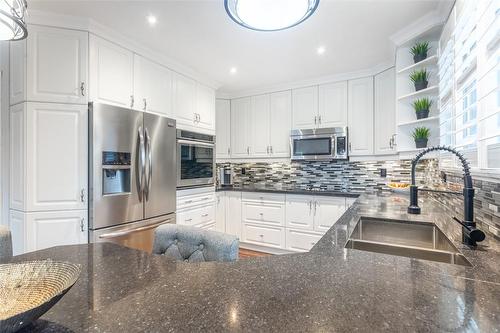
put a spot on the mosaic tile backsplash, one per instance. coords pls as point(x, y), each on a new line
point(366, 177)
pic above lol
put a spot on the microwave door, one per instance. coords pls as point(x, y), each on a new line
point(196, 166)
point(114, 152)
point(313, 147)
point(160, 171)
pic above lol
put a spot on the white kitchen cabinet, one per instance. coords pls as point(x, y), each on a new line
point(332, 105)
point(385, 112)
point(196, 207)
point(280, 123)
point(205, 107)
point(49, 157)
point(50, 66)
point(299, 212)
point(152, 87)
point(233, 213)
point(241, 127)
point(266, 213)
point(47, 229)
point(184, 100)
point(263, 235)
point(360, 116)
point(17, 227)
point(220, 211)
point(223, 128)
point(111, 73)
point(305, 107)
point(300, 240)
point(261, 126)
point(327, 210)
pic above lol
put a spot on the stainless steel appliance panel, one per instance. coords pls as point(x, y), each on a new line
point(136, 235)
point(195, 159)
point(115, 135)
point(160, 175)
point(319, 144)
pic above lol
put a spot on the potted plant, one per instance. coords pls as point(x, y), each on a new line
point(421, 136)
point(419, 79)
point(419, 51)
point(422, 106)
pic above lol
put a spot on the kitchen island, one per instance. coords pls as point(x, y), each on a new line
point(330, 288)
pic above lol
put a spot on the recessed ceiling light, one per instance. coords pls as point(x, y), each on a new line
point(233, 70)
point(265, 15)
point(151, 19)
point(321, 50)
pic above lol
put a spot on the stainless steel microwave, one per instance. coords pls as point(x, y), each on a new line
point(195, 159)
point(319, 144)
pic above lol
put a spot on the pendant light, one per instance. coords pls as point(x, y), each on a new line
point(12, 19)
point(270, 15)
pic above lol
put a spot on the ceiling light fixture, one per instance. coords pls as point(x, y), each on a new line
point(233, 70)
point(12, 19)
point(321, 50)
point(151, 19)
point(270, 15)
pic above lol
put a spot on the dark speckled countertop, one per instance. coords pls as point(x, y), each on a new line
point(329, 289)
point(287, 189)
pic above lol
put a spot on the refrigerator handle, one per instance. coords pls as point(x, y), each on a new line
point(149, 173)
point(142, 158)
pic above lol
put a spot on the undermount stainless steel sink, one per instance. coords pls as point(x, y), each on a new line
point(404, 238)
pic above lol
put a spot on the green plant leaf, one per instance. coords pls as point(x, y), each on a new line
point(421, 133)
point(420, 48)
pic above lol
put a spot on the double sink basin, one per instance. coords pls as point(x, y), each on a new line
point(419, 240)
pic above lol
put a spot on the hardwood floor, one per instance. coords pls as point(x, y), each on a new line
point(244, 253)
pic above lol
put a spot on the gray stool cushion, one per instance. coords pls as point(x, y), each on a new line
point(192, 244)
point(5, 243)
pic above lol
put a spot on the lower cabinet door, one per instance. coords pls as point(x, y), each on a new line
point(299, 212)
point(196, 216)
point(263, 213)
point(327, 212)
point(220, 212)
point(233, 213)
point(263, 235)
point(47, 229)
point(301, 241)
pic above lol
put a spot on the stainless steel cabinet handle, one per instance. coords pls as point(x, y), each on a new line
point(267, 149)
point(350, 147)
point(82, 195)
point(315, 206)
point(82, 88)
point(248, 150)
point(188, 201)
point(261, 236)
point(131, 101)
point(271, 147)
point(315, 120)
point(310, 207)
point(228, 151)
point(145, 104)
point(199, 117)
point(142, 161)
point(319, 119)
point(188, 220)
point(204, 215)
point(82, 224)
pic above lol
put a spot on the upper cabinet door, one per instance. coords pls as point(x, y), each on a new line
point(205, 107)
point(333, 105)
point(57, 65)
point(223, 128)
point(305, 108)
point(152, 87)
point(184, 100)
point(111, 73)
point(17, 75)
point(259, 138)
point(281, 121)
point(56, 156)
point(241, 127)
point(360, 116)
point(385, 112)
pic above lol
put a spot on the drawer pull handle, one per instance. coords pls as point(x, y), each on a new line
point(204, 215)
point(188, 201)
point(261, 236)
point(188, 220)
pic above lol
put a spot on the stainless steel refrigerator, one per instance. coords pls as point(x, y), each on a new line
point(132, 178)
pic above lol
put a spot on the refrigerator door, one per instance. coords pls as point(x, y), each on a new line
point(160, 175)
point(116, 157)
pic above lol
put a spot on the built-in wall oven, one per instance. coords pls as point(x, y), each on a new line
point(195, 159)
point(319, 144)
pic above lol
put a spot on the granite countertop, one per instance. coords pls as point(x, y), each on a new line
point(331, 288)
point(287, 189)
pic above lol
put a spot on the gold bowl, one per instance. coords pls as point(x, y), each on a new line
point(29, 289)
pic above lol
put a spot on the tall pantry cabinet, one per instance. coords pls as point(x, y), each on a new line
point(48, 138)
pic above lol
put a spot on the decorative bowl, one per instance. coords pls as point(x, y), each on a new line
point(29, 289)
point(399, 187)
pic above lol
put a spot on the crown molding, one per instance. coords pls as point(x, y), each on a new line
point(79, 23)
point(308, 82)
point(431, 21)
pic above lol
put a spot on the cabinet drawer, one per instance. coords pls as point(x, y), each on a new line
point(263, 197)
point(207, 226)
point(197, 215)
point(263, 235)
point(299, 240)
point(264, 213)
point(194, 200)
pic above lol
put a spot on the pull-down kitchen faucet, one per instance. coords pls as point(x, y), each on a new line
point(470, 234)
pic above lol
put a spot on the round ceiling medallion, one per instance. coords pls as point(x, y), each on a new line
point(270, 15)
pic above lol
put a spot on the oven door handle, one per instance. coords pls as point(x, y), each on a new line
point(127, 232)
point(195, 143)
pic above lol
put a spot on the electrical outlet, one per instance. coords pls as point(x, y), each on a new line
point(243, 171)
point(383, 172)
